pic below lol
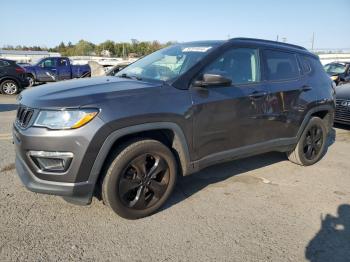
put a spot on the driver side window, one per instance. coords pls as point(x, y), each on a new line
point(241, 65)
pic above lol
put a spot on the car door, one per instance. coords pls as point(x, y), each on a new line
point(230, 117)
point(289, 92)
point(46, 70)
point(63, 69)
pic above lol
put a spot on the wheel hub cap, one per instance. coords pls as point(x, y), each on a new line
point(9, 88)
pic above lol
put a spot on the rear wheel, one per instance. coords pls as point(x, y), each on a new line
point(140, 179)
point(312, 144)
point(9, 87)
point(31, 80)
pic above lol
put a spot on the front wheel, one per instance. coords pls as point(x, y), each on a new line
point(140, 179)
point(312, 144)
point(9, 87)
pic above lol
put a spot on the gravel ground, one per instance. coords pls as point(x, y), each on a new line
point(262, 208)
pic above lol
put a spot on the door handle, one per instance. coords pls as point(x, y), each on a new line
point(305, 88)
point(257, 94)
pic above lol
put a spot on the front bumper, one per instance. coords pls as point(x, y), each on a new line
point(342, 121)
point(75, 184)
point(78, 193)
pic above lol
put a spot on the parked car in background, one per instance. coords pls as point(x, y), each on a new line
point(12, 77)
point(342, 112)
point(339, 72)
point(53, 69)
point(174, 112)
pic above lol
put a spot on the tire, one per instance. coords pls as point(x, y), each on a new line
point(130, 187)
point(31, 80)
point(312, 144)
point(9, 87)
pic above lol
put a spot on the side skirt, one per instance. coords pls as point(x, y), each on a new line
point(279, 145)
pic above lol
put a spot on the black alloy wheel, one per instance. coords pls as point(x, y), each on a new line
point(313, 142)
point(140, 178)
point(144, 181)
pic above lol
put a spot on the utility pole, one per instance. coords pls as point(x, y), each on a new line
point(312, 41)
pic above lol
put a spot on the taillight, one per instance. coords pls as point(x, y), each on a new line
point(20, 70)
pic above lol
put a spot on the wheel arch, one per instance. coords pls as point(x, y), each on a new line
point(325, 112)
point(169, 133)
point(31, 74)
point(10, 78)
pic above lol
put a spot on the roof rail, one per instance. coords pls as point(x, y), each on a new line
point(269, 42)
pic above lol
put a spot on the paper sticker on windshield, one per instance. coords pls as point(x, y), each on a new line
point(201, 49)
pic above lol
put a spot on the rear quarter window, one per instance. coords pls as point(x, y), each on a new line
point(281, 65)
point(305, 64)
point(315, 64)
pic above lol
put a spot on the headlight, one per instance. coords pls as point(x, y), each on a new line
point(334, 78)
point(65, 119)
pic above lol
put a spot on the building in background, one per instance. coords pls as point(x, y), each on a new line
point(25, 56)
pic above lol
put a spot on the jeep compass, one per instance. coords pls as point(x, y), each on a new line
point(126, 138)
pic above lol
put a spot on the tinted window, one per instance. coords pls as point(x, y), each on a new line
point(281, 65)
point(241, 65)
point(315, 64)
point(3, 63)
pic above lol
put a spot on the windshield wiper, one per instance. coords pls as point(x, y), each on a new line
point(130, 77)
point(125, 76)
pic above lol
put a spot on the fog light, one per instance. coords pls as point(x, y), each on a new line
point(51, 161)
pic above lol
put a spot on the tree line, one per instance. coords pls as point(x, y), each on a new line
point(107, 48)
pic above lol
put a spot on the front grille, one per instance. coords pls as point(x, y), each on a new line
point(24, 115)
point(342, 111)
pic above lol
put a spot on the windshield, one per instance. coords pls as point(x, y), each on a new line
point(333, 69)
point(168, 63)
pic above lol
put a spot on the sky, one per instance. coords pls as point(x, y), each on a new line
point(47, 23)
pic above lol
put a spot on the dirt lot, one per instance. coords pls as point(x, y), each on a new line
point(262, 208)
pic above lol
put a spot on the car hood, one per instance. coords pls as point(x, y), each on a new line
point(343, 91)
point(79, 92)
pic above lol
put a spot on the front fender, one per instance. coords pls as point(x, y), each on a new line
point(30, 71)
point(179, 144)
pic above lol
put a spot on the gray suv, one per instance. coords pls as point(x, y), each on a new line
point(127, 137)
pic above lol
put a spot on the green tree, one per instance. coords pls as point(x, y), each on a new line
point(83, 48)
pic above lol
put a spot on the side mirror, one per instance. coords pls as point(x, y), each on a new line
point(212, 80)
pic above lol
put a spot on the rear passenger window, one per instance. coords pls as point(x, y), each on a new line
point(281, 65)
